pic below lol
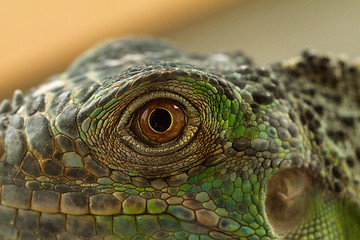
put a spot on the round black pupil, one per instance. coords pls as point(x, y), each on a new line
point(160, 120)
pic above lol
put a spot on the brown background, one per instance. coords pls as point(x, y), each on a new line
point(40, 38)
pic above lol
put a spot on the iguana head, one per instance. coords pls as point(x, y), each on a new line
point(156, 143)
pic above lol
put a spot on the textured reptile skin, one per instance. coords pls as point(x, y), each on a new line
point(263, 153)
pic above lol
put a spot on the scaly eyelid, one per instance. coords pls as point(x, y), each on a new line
point(141, 145)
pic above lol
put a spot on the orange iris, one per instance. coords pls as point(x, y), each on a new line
point(161, 120)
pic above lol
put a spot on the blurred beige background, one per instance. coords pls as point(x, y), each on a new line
point(40, 38)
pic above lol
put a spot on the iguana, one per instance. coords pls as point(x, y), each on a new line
point(138, 139)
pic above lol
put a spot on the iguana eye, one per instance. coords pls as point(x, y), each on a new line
point(161, 120)
point(154, 130)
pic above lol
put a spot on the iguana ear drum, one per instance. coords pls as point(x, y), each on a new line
point(286, 201)
point(161, 120)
